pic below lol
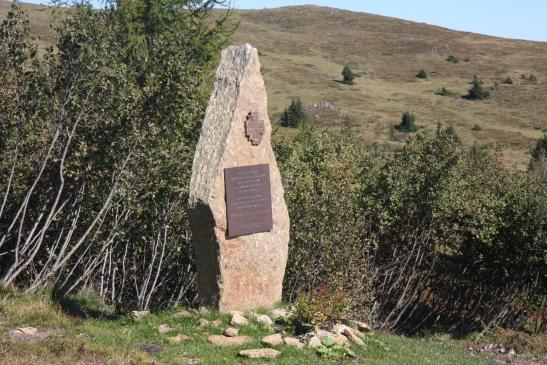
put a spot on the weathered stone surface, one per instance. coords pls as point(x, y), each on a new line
point(244, 272)
point(138, 315)
point(350, 334)
point(163, 329)
point(182, 314)
point(294, 342)
point(202, 322)
point(314, 342)
point(272, 340)
point(338, 328)
point(363, 327)
point(260, 353)
point(280, 313)
point(219, 340)
point(231, 332)
point(340, 339)
point(264, 319)
point(28, 331)
point(238, 320)
point(178, 338)
point(216, 323)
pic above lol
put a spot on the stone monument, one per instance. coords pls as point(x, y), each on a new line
point(238, 215)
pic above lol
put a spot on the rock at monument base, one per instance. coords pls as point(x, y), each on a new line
point(264, 319)
point(272, 340)
point(220, 340)
point(293, 342)
point(260, 353)
point(238, 320)
point(231, 332)
point(244, 272)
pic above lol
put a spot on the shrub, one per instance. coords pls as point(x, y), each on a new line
point(532, 77)
point(452, 59)
point(325, 303)
point(97, 139)
point(477, 91)
point(421, 74)
point(294, 116)
point(508, 81)
point(348, 75)
point(445, 92)
point(476, 127)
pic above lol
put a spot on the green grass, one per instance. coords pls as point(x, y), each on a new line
point(100, 337)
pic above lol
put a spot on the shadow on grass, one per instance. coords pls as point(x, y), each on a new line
point(85, 305)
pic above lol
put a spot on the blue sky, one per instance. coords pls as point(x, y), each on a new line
point(522, 19)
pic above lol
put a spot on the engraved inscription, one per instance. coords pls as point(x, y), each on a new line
point(248, 199)
point(254, 128)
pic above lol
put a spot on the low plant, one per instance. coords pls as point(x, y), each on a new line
point(323, 304)
point(452, 59)
point(445, 92)
point(421, 74)
point(477, 91)
point(408, 123)
point(476, 128)
point(508, 81)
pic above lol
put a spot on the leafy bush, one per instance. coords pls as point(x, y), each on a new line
point(97, 139)
point(325, 303)
point(508, 81)
point(532, 77)
point(431, 223)
point(421, 74)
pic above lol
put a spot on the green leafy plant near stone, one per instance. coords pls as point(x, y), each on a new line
point(452, 59)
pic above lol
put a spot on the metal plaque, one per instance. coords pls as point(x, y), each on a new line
point(248, 199)
point(254, 128)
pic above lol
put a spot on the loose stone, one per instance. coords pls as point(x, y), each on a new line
point(220, 340)
point(272, 340)
point(231, 332)
point(293, 342)
point(264, 319)
point(260, 353)
point(238, 320)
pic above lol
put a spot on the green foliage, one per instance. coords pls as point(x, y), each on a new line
point(101, 138)
point(348, 75)
point(462, 219)
point(445, 92)
point(421, 74)
point(452, 59)
point(322, 304)
point(408, 123)
point(508, 81)
point(476, 128)
point(477, 91)
point(540, 150)
point(532, 78)
point(294, 116)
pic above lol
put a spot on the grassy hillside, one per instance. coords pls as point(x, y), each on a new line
point(304, 48)
point(79, 330)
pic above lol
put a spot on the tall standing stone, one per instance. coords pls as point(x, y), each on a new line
point(238, 217)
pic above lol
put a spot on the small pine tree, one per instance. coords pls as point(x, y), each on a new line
point(421, 74)
point(295, 115)
point(408, 123)
point(348, 75)
point(452, 59)
point(477, 92)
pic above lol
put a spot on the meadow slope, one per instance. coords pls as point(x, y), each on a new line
point(304, 48)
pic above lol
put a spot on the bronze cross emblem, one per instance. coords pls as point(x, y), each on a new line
point(254, 128)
